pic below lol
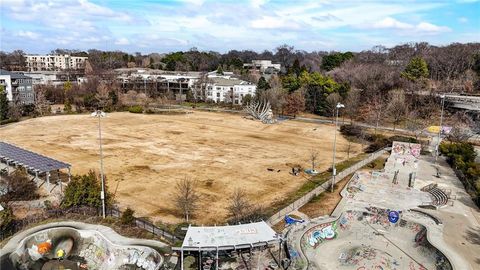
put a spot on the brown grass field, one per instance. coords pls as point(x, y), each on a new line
point(144, 155)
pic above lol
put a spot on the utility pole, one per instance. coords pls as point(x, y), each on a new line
point(334, 170)
point(100, 114)
point(440, 129)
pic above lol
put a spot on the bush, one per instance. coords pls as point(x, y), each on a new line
point(352, 130)
point(378, 142)
point(403, 139)
point(84, 190)
point(7, 220)
point(135, 109)
point(127, 217)
point(461, 156)
point(19, 187)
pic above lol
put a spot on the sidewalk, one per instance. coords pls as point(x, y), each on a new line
point(461, 222)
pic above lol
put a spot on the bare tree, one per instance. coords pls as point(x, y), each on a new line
point(186, 197)
point(396, 107)
point(313, 158)
point(373, 111)
point(352, 103)
point(294, 103)
point(332, 100)
point(240, 205)
point(414, 123)
point(42, 105)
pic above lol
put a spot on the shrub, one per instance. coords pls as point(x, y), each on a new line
point(403, 139)
point(19, 187)
point(149, 111)
point(7, 220)
point(127, 217)
point(84, 190)
point(461, 156)
point(378, 142)
point(135, 109)
point(352, 130)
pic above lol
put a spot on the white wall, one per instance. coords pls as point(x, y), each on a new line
point(7, 85)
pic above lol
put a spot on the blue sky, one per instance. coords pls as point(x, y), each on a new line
point(38, 26)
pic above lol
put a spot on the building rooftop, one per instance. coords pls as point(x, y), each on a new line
point(13, 74)
point(231, 237)
point(227, 82)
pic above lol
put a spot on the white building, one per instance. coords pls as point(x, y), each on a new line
point(54, 62)
point(221, 89)
point(263, 65)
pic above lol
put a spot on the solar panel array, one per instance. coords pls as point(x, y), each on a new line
point(30, 159)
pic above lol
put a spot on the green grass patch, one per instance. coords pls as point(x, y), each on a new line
point(312, 183)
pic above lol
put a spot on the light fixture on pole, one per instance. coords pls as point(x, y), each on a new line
point(334, 170)
point(100, 114)
point(437, 147)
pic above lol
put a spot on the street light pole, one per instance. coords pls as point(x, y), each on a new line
point(440, 129)
point(334, 170)
point(100, 114)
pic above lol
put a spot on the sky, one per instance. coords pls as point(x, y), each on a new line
point(39, 26)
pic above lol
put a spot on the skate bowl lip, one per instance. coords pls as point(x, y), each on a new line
point(111, 237)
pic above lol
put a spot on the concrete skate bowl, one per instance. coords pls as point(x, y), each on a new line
point(84, 249)
point(367, 240)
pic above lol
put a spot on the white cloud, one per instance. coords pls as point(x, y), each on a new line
point(194, 2)
point(122, 41)
point(258, 3)
point(392, 23)
point(420, 28)
point(270, 22)
point(463, 19)
point(28, 34)
point(431, 28)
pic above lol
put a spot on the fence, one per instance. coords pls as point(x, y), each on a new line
point(21, 224)
point(277, 217)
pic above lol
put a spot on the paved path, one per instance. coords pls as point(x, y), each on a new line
point(461, 221)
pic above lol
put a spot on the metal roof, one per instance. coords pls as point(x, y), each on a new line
point(232, 236)
point(13, 74)
point(30, 160)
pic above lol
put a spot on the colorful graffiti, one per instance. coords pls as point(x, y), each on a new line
point(401, 148)
point(318, 234)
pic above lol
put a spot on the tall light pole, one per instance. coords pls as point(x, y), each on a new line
point(334, 170)
point(100, 114)
point(440, 129)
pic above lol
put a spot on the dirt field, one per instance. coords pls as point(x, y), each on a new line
point(146, 154)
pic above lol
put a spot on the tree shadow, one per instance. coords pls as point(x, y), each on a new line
point(473, 236)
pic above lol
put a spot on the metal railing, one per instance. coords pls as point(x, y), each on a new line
point(21, 224)
point(277, 217)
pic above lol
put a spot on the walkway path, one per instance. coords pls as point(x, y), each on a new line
point(461, 221)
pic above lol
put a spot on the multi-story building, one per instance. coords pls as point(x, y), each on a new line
point(18, 87)
point(54, 62)
point(222, 89)
point(263, 66)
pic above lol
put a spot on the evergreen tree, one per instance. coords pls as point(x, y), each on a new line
point(220, 70)
point(417, 68)
point(262, 86)
point(3, 104)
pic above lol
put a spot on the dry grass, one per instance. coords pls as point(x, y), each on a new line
point(146, 154)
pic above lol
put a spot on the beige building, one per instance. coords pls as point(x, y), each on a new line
point(54, 62)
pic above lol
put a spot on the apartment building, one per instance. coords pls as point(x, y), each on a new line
point(221, 90)
point(263, 66)
point(18, 87)
point(54, 62)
